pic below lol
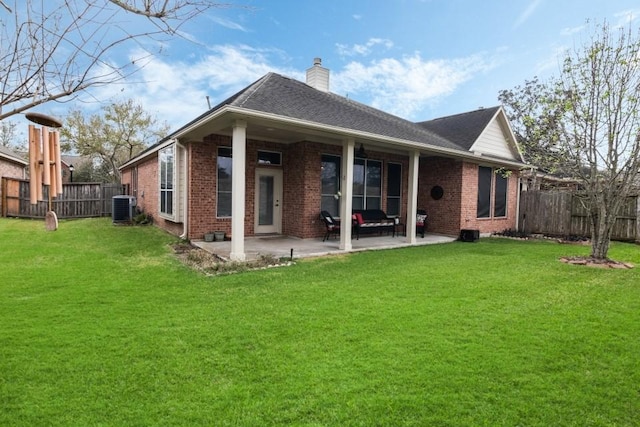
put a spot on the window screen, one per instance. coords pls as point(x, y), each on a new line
point(484, 192)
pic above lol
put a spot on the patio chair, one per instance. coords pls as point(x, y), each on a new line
point(332, 225)
point(421, 222)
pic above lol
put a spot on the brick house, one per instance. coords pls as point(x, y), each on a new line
point(11, 166)
point(280, 150)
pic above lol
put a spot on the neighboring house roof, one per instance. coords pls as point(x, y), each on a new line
point(280, 98)
point(9, 155)
point(76, 161)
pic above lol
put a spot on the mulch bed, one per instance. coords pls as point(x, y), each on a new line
point(211, 264)
point(592, 262)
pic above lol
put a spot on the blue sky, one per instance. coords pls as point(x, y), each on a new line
point(419, 59)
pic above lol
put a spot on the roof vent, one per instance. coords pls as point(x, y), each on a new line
point(318, 76)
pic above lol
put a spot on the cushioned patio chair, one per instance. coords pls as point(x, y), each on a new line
point(421, 222)
point(332, 225)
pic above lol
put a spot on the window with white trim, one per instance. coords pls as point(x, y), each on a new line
point(272, 158)
point(394, 188)
point(224, 187)
point(367, 184)
point(330, 177)
point(166, 157)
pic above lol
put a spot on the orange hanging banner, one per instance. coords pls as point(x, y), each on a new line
point(53, 187)
point(46, 157)
point(58, 160)
point(33, 165)
point(39, 163)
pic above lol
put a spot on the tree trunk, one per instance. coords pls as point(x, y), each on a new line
point(601, 229)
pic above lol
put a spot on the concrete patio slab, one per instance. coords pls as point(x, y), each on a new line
point(285, 246)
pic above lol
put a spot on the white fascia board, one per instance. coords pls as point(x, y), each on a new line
point(505, 120)
point(345, 132)
point(144, 154)
point(14, 159)
point(502, 116)
point(512, 134)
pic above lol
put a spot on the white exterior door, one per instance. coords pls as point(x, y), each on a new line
point(268, 213)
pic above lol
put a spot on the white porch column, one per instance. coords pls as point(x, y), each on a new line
point(346, 188)
point(412, 196)
point(239, 154)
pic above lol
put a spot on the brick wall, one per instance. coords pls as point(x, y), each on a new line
point(301, 164)
point(457, 209)
point(11, 170)
point(469, 214)
point(444, 214)
point(202, 188)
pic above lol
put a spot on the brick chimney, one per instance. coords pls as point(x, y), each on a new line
point(318, 76)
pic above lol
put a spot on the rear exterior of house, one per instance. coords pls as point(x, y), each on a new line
point(302, 182)
point(280, 151)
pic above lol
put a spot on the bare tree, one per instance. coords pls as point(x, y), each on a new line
point(591, 112)
point(600, 84)
point(51, 50)
point(122, 130)
point(8, 134)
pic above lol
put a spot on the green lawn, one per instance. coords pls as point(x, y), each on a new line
point(100, 325)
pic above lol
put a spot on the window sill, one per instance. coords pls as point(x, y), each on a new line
point(164, 216)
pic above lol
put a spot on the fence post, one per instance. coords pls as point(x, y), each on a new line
point(3, 195)
point(637, 239)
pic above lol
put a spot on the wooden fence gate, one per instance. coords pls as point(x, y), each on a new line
point(560, 213)
point(78, 200)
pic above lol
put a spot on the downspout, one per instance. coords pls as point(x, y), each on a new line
point(518, 203)
point(185, 192)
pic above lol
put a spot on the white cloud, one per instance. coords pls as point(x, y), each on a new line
point(570, 31)
point(363, 49)
point(227, 23)
point(527, 13)
point(626, 17)
point(176, 92)
point(405, 86)
point(552, 62)
point(357, 17)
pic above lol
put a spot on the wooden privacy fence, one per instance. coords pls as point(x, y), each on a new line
point(560, 213)
point(78, 200)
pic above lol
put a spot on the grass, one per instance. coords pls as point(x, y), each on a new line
point(101, 325)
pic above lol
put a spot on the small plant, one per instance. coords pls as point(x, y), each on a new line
point(212, 264)
point(142, 219)
point(575, 238)
point(512, 233)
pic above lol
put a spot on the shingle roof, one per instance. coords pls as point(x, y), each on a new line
point(283, 96)
point(10, 155)
point(462, 129)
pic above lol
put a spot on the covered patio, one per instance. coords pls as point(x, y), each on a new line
point(284, 246)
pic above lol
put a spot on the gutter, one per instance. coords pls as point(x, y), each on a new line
point(518, 203)
point(351, 133)
point(342, 133)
